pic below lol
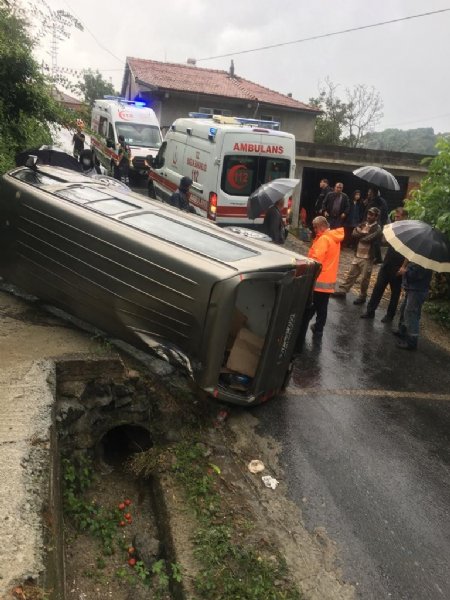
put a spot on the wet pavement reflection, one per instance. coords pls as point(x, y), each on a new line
point(365, 433)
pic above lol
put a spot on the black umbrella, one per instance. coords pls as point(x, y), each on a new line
point(269, 193)
point(49, 155)
point(420, 243)
point(378, 176)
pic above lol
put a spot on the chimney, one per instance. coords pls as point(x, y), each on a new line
point(289, 95)
point(192, 62)
point(232, 69)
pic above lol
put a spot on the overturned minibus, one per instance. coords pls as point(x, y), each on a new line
point(230, 309)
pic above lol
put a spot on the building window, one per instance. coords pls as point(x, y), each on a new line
point(216, 111)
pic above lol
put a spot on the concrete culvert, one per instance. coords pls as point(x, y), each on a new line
point(120, 442)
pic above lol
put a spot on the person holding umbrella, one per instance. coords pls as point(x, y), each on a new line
point(273, 224)
point(389, 274)
point(425, 249)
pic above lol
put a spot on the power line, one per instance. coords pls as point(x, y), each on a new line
point(93, 36)
point(325, 35)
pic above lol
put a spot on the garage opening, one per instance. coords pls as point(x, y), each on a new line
point(119, 443)
point(310, 188)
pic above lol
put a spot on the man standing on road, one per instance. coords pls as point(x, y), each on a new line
point(416, 283)
point(325, 249)
point(336, 206)
point(375, 200)
point(388, 275)
point(324, 190)
point(367, 233)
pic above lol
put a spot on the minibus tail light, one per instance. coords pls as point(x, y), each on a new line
point(301, 267)
point(212, 207)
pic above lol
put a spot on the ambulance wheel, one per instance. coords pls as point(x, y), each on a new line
point(151, 189)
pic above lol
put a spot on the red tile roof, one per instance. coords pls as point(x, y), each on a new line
point(187, 78)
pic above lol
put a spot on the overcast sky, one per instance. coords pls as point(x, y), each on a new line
point(406, 62)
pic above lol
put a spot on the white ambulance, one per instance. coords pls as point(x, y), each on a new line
point(114, 116)
point(227, 159)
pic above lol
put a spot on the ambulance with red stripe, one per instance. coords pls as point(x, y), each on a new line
point(227, 159)
point(113, 116)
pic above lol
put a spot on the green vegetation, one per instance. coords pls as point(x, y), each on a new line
point(94, 86)
point(421, 140)
point(232, 567)
point(88, 516)
point(26, 103)
point(431, 202)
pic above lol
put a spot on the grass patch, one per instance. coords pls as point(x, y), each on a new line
point(439, 311)
point(232, 566)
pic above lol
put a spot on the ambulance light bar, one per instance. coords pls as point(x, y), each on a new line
point(137, 103)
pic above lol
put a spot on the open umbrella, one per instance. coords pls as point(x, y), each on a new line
point(269, 193)
point(49, 155)
point(378, 176)
point(420, 243)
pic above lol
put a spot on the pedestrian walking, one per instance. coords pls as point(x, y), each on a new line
point(388, 275)
point(123, 161)
point(273, 224)
point(336, 206)
point(366, 233)
point(416, 284)
point(180, 198)
point(325, 249)
point(78, 139)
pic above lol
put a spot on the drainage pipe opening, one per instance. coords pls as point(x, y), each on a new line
point(119, 443)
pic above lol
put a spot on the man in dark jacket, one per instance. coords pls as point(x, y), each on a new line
point(388, 275)
point(336, 206)
point(273, 223)
point(374, 199)
point(180, 198)
point(324, 190)
point(416, 283)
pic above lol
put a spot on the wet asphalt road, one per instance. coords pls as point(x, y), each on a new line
point(365, 431)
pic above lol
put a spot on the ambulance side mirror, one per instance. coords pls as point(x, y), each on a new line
point(109, 143)
point(150, 161)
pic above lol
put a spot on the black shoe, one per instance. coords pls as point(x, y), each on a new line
point(367, 315)
point(403, 344)
point(387, 319)
point(338, 294)
point(359, 301)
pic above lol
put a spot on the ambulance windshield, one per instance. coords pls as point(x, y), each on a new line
point(136, 134)
point(242, 175)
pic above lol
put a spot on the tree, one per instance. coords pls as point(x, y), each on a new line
point(94, 86)
point(364, 112)
point(431, 202)
point(26, 103)
point(346, 122)
point(331, 123)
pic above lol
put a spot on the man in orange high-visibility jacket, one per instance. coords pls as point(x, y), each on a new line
point(325, 249)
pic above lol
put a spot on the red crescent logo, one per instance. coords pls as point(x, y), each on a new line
point(237, 177)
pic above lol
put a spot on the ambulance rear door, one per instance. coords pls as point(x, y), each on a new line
point(250, 158)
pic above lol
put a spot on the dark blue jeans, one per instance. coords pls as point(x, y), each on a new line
point(410, 312)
